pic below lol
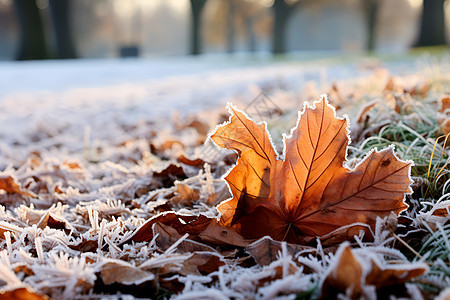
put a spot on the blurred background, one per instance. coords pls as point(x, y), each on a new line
point(53, 29)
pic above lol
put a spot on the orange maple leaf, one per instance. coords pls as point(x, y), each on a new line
point(310, 192)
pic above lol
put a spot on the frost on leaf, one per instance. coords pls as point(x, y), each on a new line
point(122, 272)
point(444, 113)
point(310, 193)
point(350, 275)
point(10, 186)
point(265, 250)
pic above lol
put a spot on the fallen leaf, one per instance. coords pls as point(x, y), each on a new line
point(396, 274)
point(181, 223)
point(349, 275)
point(444, 103)
point(22, 294)
point(72, 164)
point(266, 250)
point(185, 195)
point(310, 193)
point(10, 186)
point(364, 111)
point(5, 226)
point(85, 246)
point(198, 162)
point(362, 121)
point(122, 272)
point(167, 236)
point(202, 263)
point(25, 268)
point(52, 221)
point(346, 275)
point(201, 227)
point(217, 234)
point(443, 118)
point(170, 174)
point(201, 127)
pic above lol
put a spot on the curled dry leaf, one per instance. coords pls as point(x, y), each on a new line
point(197, 162)
point(10, 186)
point(198, 227)
point(310, 193)
point(349, 275)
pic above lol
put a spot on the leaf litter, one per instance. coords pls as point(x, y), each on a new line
point(145, 216)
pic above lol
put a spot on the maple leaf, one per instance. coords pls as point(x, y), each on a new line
point(310, 193)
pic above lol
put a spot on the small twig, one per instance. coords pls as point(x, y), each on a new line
point(407, 246)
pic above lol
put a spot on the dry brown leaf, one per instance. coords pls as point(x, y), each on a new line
point(349, 275)
point(444, 102)
point(346, 275)
point(22, 294)
point(266, 250)
point(218, 234)
point(201, 127)
point(10, 186)
point(201, 263)
point(381, 277)
point(198, 162)
point(310, 193)
point(72, 164)
point(167, 236)
point(185, 194)
point(444, 113)
point(181, 223)
point(364, 111)
point(52, 221)
point(122, 272)
point(23, 267)
point(198, 227)
point(85, 245)
point(169, 175)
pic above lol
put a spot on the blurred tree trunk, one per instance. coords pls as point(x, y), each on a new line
point(282, 11)
point(432, 28)
point(371, 8)
point(231, 33)
point(251, 38)
point(61, 25)
point(196, 9)
point(32, 38)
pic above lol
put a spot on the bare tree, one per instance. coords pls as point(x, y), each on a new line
point(196, 9)
point(432, 29)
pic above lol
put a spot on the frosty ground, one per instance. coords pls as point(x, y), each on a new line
point(94, 147)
